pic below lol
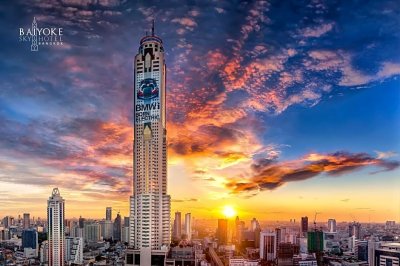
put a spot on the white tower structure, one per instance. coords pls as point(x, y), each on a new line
point(332, 226)
point(56, 235)
point(150, 205)
point(188, 226)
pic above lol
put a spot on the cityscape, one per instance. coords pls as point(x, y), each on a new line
point(211, 134)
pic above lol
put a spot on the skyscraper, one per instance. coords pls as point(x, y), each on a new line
point(74, 250)
point(332, 226)
point(355, 230)
point(30, 243)
point(117, 228)
point(254, 224)
point(108, 214)
point(177, 226)
point(268, 246)
point(27, 220)
point(188, 226)
point(222, 231)
point(304, 225)
point(150, 204)
point(56, 237)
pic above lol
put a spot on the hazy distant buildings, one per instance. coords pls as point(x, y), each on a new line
point(56, 231)
point(7, 221)
point(108, 214)
point(355, 230)
point(188, 226)
point(390, 224)
point(177, 225)
point(254, 224)
point(26, 221)
point(81, 222)
point(332, 226)
point(117, 228)
point(222, 231)
point(268, 246)
point(107, 229)
point(91, 232)
point(304, 225)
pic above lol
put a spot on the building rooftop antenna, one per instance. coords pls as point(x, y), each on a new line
point(152, 28)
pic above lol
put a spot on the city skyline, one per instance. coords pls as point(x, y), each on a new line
point(285, 117)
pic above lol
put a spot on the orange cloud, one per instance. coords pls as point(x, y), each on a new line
point(269, 175)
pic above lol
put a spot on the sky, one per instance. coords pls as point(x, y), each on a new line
point(279, 109)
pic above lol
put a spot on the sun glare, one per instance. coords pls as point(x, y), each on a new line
point(229, 212)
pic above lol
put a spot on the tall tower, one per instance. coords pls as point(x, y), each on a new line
point(34, 46)
point(56, 235)
point(188, 226)
point(150, 203)
point(27, 220)
point(177, 226)
point(108, 213)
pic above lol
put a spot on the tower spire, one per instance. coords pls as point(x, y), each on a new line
point(152, 28)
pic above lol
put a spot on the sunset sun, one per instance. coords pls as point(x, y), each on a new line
point(229, 211)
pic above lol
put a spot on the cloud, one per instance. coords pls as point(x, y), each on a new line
point(269, 175)
point(186, 22)
point(318, 30)
point(342, 62)
point(385, 155)
point(185, 200)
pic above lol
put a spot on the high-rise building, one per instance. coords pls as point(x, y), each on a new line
point(188, 226)
point(315, 241)
point(55, 235)
point(254, 224)
point(107, 229)
point(385, 253)
point(390, 225)
point(27, 221)
point(332, 226)
point(304, 225)
point(81, 222)
point(222, 231)
point(361, 250)
point(177, 225)
point(268, 247)
point(125, 231)
point(108, 214)
point(355, 230)
point(7, 222)
point(74, 250)
point(30, 243)
point(117, 228)
point(150, 232)
point(44, 253)
point(91, 232)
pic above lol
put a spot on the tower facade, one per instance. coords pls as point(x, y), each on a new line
point(150, 204)
point(188, 226)
point(56, 235)
point(108, 214)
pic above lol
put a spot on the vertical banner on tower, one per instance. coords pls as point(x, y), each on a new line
point(147, 107)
